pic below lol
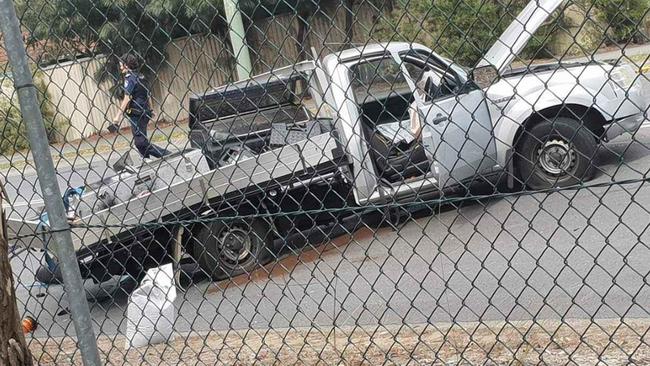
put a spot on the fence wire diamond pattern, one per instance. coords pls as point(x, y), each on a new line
point(331, 182)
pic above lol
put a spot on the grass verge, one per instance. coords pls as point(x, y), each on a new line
point(549, 342)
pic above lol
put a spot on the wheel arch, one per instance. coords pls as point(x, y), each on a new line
point(590, 118)
point(247, 205)
point(511, 130)
point(590, 121)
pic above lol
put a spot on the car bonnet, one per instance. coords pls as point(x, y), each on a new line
point(516, 36)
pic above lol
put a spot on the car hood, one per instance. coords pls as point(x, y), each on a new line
point(545, 67)
point(516, 36)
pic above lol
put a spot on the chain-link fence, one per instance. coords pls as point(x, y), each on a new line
point(328, 182)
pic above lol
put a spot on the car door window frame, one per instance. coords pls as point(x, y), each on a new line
point(444, 74)
point(369, 59)
point(463, 86)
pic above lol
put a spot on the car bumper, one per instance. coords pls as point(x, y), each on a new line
point(628, 124)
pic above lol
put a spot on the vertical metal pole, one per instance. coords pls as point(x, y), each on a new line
point(238, 39)
point(39, 144)
point(178, 252)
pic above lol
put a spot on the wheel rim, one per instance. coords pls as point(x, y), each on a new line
point(556, 157)
point(235, 244)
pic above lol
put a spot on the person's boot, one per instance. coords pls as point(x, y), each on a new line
point(113, 128)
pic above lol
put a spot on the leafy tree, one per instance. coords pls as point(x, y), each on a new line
point(145, 27)
point(459, 29)
point(13, 136)
point(464, 29)
point(88, 27)
point(624, 18)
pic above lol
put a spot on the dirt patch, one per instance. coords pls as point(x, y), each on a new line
point(494, 343)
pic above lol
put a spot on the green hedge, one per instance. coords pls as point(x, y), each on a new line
point(625, 19)
point(13, 136)
point(463, 30)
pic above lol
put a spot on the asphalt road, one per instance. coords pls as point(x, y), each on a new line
point(571, 254)
point(25, 193)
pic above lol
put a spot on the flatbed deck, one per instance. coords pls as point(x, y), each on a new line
point(275, 168)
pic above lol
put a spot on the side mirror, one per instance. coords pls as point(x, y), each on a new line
point(485, 76)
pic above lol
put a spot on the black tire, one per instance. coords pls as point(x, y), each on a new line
point(228, 249)
point(555, 153)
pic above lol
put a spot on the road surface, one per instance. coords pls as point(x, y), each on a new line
point(568, 254)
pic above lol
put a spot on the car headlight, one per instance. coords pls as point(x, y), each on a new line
point(623, 77)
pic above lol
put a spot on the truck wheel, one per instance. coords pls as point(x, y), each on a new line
point(555, 154)
point(228, 249)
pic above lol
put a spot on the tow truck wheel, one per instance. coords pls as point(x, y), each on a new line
point(556, 153)
point(228, 249)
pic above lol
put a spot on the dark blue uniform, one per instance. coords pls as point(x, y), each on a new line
point(139, 114)
point(134, 87)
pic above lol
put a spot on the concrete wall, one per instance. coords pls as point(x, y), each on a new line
point(79, 98)
point(195, 64)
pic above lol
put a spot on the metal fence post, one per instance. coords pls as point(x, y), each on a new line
point(31, 113)
point(238, 39)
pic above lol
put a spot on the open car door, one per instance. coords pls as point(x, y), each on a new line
point(456, 122)
point(454, 117)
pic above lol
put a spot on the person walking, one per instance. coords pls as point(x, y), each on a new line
point(135, 105)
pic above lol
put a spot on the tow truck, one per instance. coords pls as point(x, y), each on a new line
point(300, 154)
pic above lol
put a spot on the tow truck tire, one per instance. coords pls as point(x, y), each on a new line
point(555, 153)
point(227, 249)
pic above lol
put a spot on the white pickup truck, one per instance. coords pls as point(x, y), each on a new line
point(541, 124)
point(389, 123)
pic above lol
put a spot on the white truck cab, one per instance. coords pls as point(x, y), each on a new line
point(541, 124)
point(401, 124)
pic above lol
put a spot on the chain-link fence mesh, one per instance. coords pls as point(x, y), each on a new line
point(336, 182)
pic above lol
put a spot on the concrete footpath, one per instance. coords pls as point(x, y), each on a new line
point(634, 53)
point(106, 146)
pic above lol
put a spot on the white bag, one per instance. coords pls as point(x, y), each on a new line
point(151, 312)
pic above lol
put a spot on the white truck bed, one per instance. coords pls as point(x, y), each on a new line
point(176, 184)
